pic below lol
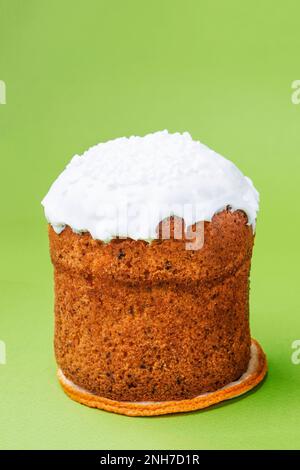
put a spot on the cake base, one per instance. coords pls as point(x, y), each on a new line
point(255, 373)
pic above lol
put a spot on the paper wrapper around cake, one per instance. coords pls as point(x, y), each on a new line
point(140, 322)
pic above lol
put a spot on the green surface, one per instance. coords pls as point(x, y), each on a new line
point(80, 72)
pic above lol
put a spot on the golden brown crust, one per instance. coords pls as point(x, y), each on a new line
point(153, 322)
point(154, 409)
point(228, 242)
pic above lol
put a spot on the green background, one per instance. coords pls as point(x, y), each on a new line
point(79, 72)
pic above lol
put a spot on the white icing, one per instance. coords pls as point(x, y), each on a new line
point(126, 186)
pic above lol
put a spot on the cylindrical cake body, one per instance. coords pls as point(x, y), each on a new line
point(137, 321)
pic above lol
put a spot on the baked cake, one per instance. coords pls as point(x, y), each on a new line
point(151, 241)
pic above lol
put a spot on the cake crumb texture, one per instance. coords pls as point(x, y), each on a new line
point(138, 321)
point(256, 372)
